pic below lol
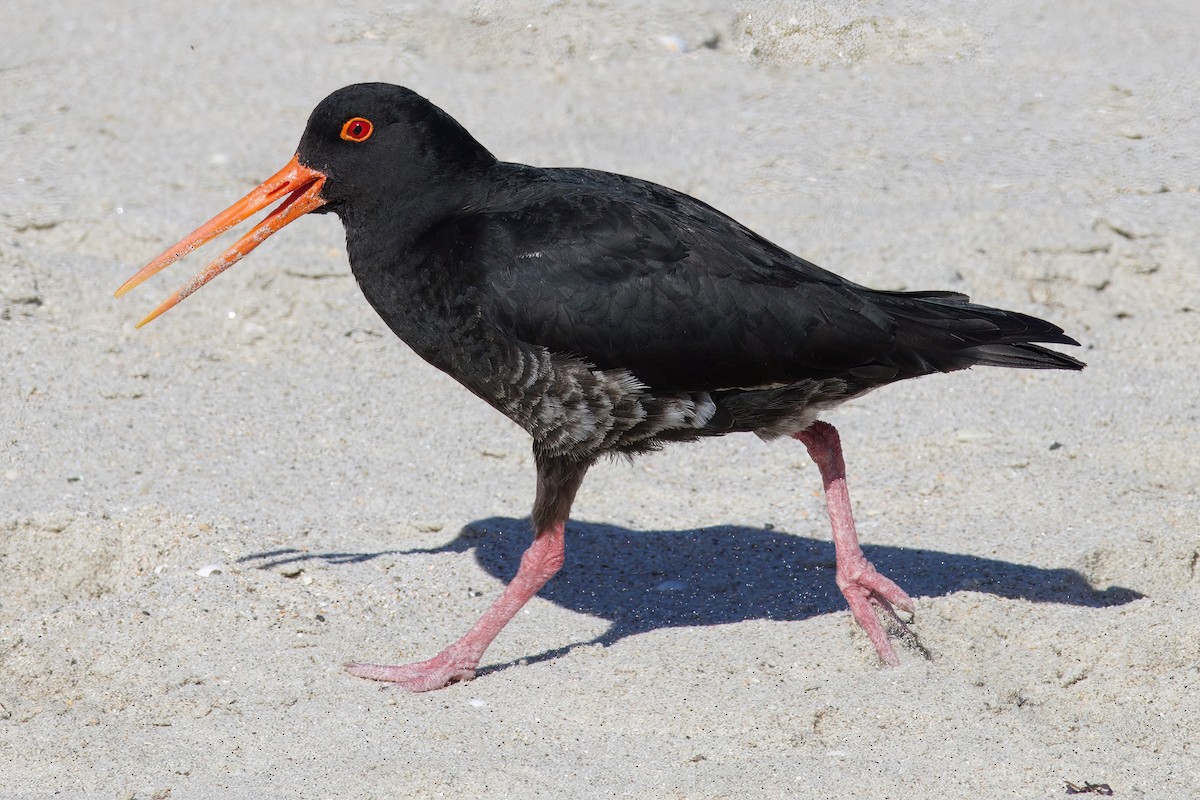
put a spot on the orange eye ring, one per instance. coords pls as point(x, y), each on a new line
point(357, 129)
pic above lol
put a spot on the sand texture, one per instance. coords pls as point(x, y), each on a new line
point(202, 520)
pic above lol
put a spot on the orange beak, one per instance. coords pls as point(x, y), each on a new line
point(302, 186)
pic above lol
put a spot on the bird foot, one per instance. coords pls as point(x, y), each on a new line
point(864, 588)
point(438, 672)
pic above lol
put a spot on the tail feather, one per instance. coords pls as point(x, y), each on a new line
point(948, 332)
point(1023, 356)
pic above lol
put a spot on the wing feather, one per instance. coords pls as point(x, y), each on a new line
point(628, 274)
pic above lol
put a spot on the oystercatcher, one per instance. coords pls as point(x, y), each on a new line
point(604, 315)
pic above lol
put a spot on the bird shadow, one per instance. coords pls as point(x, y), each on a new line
point(645, 580)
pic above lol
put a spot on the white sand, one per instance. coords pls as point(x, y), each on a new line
point(1040, 156)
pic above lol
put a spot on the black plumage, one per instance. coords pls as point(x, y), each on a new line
point(607, 314)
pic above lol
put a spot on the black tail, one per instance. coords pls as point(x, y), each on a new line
point(1023, 356)
point(949, 332)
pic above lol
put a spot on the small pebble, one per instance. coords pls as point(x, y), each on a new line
point(675, 44)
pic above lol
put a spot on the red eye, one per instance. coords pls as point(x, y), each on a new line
point(357, 130)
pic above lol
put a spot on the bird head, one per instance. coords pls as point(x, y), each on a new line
point(366, 146)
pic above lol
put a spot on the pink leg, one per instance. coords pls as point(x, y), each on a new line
point(457, 662)
point(859, 581)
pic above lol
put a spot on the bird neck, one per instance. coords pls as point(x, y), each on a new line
point(399, 258)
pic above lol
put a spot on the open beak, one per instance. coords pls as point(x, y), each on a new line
point(302, 187)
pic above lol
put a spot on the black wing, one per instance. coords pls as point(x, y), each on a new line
point(633, 275)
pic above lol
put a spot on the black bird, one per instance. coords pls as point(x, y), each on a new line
point(604, 315)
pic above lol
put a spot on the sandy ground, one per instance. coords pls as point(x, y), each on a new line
point(1041, 156)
